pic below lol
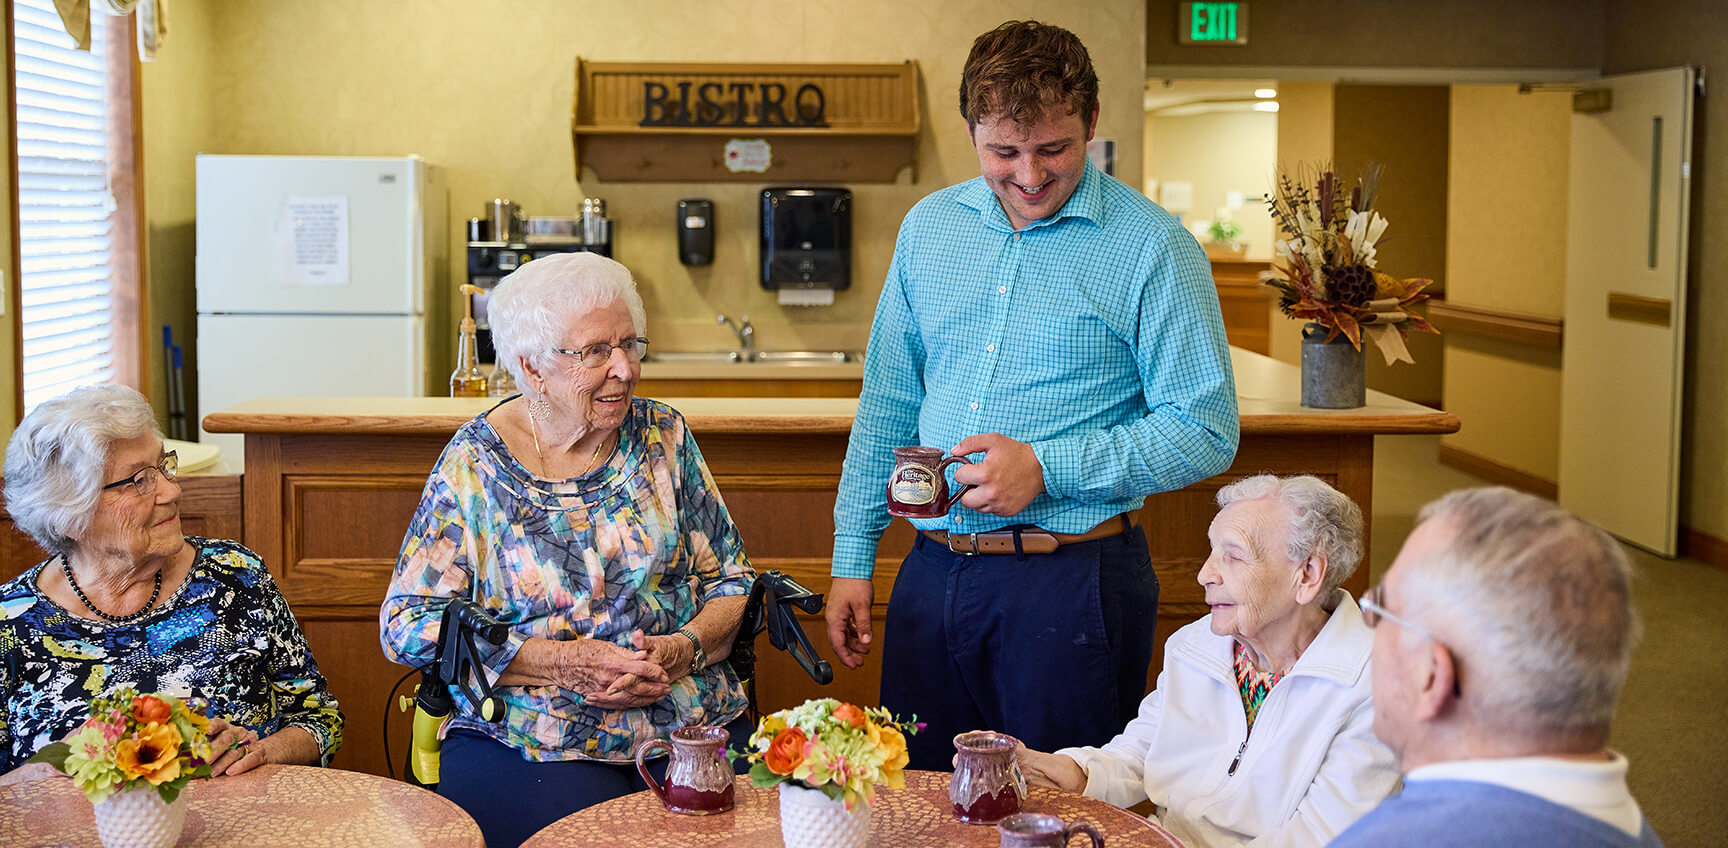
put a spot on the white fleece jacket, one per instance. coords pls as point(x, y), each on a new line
point(1311, 768)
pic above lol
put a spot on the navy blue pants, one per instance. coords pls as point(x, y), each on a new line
point(512, 798)
point(1049, 648)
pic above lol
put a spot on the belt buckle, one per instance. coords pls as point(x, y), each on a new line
point(972, 537)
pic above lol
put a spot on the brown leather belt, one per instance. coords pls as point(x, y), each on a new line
point(1032, 540)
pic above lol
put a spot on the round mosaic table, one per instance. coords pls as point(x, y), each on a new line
point(915, 817)
point(269, 807)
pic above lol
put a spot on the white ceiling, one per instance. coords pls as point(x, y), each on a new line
point(1175, 97)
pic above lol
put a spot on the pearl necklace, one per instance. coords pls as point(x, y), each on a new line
point(66, 566)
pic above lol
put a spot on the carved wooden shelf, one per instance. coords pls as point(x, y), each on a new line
point(869, 115)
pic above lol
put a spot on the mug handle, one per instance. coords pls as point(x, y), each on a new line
point(642, 753)
point(955, 498)
point(1070, 831)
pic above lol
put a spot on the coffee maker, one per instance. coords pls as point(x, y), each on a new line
point(506, 239)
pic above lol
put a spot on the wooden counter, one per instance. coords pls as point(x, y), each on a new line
point(330, 485)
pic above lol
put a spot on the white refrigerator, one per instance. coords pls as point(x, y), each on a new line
point(314, 279)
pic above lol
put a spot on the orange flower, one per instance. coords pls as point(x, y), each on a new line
point(786, 752)
point(150, 709)
point(153, 754)
point(850, 714)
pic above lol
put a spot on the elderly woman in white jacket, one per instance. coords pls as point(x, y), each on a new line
point(1261, 729)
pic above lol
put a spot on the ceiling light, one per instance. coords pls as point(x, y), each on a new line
point(1264, 93)
point(1266, 106)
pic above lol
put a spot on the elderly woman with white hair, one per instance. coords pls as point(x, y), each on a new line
point(1260, 731)
point(585, 520)
point(127, 600)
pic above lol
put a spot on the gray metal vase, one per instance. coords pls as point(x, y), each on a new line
point(1334, 374)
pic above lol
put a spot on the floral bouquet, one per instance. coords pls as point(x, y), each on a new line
point(1329, 274)
point(839, 749)
point(130, 741)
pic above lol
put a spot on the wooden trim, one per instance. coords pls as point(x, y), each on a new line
point(125, 180)
point(870, 130)
point(15, 298)
point(1494, 471)
point(1520, 327)
point(444, 422)
point(1701, 546)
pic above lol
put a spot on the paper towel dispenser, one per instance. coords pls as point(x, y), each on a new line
point(806, 238)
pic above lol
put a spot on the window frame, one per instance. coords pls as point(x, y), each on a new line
point(126, 180)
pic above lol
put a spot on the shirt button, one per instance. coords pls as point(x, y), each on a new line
point(1016, 236)
point(990, 348)
point(1001, 289)
point(974, 404)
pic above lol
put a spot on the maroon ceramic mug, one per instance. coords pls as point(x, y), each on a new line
point(1040, 830)
point(698, 780)
point(917, 488)
point(987, 784)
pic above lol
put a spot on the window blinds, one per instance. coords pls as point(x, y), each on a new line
point(65, 207)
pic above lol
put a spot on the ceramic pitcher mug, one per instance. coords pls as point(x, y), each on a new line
point(1039, 830)
point(987, 784)
point(698, 780)
point(917, 488)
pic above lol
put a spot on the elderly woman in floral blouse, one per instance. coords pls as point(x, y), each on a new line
point(585, 520)
point(127, 599)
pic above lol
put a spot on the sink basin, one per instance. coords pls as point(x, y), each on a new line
point(696, 356)
point(804, 357)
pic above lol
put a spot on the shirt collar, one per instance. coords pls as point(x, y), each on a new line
point(1086, 203)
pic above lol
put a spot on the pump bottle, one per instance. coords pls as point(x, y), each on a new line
point(467, 380)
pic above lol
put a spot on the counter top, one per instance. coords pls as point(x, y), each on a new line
point(1268, 394)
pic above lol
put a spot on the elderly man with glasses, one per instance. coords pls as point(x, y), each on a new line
point(1503, 632)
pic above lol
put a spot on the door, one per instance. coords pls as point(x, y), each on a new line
point(1626, 306)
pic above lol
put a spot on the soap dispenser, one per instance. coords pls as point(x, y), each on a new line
point(467, 380)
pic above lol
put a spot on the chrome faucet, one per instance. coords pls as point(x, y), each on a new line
point(746, 333)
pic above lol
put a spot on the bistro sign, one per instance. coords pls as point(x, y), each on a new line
point(688, 103)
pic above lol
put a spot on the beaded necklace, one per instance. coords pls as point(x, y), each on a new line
point(66, 566)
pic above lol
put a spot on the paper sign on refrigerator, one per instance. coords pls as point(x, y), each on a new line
point(315, 237)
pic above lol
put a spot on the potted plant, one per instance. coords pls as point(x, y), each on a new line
point(1225, 233)
point(131, 758)
point(828, 757)
point(1327, 273)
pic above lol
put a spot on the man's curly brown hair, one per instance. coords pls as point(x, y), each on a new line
point(1022, 70)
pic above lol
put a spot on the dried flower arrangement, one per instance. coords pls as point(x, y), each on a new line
point(1329, 272)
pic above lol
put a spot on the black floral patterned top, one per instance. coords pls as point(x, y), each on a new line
point(225, 635)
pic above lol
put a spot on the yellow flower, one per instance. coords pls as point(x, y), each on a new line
point(153, 754)
point(894, 757)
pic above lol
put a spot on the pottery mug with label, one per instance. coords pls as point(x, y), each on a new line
point(917, 488)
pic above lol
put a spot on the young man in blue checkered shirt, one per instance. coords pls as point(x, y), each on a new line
point(1063, 331)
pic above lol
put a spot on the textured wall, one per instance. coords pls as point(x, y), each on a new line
point(1219, 152)
point(485, 89)
point(1508, 166)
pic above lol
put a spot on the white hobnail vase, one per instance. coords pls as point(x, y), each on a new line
point(139, 818)
point(810, 819)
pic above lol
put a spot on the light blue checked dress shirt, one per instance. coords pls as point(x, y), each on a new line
point(1093, 335)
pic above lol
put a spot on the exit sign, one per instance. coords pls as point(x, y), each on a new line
point(1207, 24)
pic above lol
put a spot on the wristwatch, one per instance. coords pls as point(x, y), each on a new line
point(698, 660)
